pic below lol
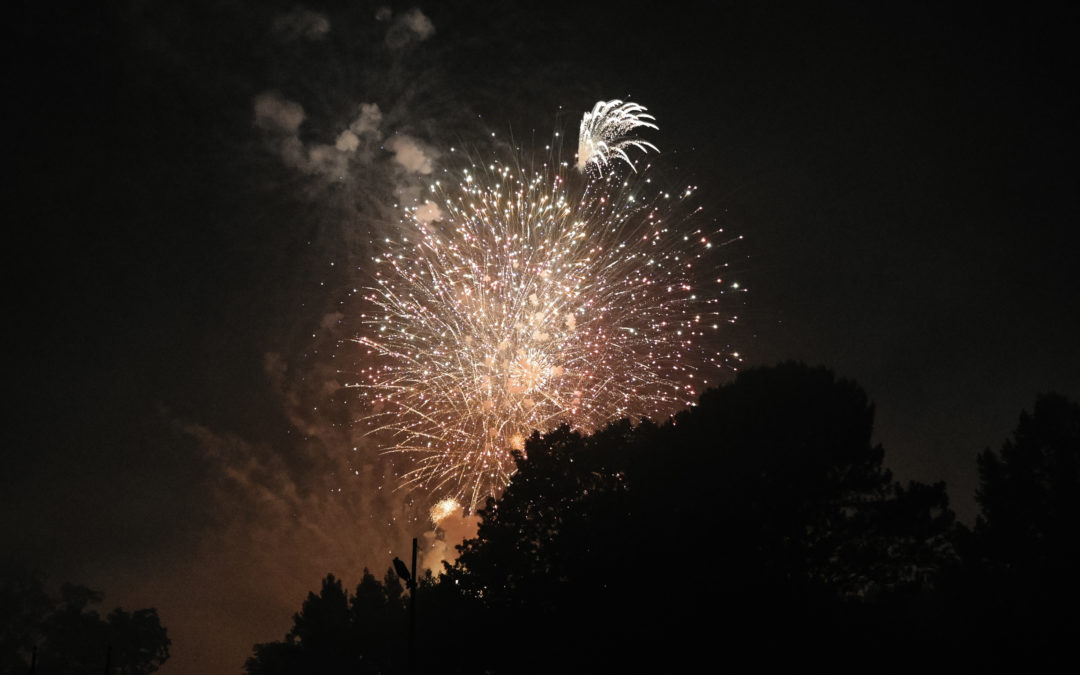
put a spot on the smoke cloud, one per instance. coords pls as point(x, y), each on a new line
point(409, 27)
point(428, 212)
point(301, 23)
point(415, 20)
point(281, 120)
point(347, 141)
point(276, 114)
point(369, 120)
point(409, 154)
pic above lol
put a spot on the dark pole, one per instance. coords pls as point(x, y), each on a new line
point(33, 660)
point(412, 612)
point(108, 658)
point(411, 584)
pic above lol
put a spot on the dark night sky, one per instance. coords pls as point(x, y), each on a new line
point(905, 181)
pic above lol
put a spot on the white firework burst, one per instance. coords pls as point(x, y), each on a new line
point(524, 295)
point(603, 137)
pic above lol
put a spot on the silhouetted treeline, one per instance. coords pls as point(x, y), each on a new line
point(758, 528)
point(65, 636)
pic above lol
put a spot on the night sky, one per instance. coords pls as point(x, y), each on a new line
point(180, 258)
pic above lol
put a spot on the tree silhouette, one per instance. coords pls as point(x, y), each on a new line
point(767, 505)
point(1029, 494)
point(70, 636)
point(76, 638)
point(335, 633)
point(24, 605)
point(796, 476)
point(1025, 551)
point(138, 640)
point(760, 524)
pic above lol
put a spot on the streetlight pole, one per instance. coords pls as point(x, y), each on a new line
point(410, 583)
point(412, 612)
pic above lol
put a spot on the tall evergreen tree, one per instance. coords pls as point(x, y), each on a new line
point(1025, 549)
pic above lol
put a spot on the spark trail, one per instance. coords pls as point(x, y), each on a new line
point(602, 137)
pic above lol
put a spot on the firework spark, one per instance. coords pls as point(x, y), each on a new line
point(537, 297)
point(443, 509)
point(603, 135)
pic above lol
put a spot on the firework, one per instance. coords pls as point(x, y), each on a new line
point(443, 509)
point(520, 298)
point(603, 137)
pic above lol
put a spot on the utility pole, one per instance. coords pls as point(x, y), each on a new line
point(410, 583)
point(412, 613)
